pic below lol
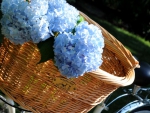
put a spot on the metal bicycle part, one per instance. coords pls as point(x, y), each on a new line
point(9, 105)
point(138, 102)
point(135, 107)
point(141, 105)
point(4, 108)
point(142, 109)
point(104, 106)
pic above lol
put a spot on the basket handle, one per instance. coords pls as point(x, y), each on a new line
point(114, 80)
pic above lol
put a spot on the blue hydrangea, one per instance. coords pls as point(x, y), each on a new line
point(23, 21)
point(36, 21)
point(76, 54)
point(65, 16)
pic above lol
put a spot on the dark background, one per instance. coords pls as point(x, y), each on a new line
point(131, 15)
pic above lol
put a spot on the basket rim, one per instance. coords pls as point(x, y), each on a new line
point(114, 80)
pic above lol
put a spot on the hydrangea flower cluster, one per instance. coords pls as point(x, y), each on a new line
point(77, 48)
point(65, 16)
point(76, 54)
point(23, 22)
point(36, 21)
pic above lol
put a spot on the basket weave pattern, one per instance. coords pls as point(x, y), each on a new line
point(42, 89)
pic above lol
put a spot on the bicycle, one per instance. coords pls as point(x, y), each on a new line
point(141, 103)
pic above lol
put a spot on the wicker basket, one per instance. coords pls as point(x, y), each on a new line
point(42, 89)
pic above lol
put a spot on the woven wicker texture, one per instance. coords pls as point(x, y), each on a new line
point(42, 89)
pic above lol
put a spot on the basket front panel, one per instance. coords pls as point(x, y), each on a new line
point(41, 87)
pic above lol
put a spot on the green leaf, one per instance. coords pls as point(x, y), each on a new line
point(28, 1)
point(80, 20)
point(46, 49)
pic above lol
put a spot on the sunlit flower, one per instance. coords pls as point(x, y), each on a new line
point(23, 21)
point(65, 16)
point(76, 54)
